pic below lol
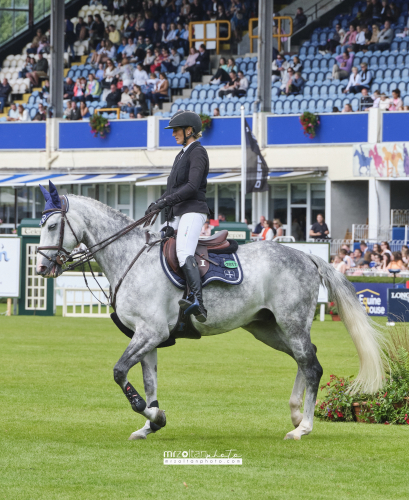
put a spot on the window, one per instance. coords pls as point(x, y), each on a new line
point(317, 201)
point(298, 194)
point(278, 202)
point(140, 201)
point(227, 201)
point(13, 18)
point(88, 190)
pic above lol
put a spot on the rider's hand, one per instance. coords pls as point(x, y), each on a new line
point(157, 205)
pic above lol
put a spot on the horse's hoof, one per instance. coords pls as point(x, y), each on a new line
point(135, 436)
point(291, 435)
point(160, 418)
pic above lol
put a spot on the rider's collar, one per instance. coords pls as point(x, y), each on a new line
point(64, 206)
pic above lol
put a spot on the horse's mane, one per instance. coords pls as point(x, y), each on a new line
point(109, 211)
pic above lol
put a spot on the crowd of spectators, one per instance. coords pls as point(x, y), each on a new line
point(380, 258)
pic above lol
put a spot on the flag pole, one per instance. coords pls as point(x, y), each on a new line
point(243, 166)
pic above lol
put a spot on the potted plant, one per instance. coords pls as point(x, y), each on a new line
point(206, 121)
point(309, 122)
point(100, 126)
point(333, 311)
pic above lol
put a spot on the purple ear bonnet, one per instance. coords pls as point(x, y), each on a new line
point(52, 200)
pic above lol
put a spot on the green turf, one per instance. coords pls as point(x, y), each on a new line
point(64, 423)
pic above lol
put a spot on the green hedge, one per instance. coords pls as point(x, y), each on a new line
point(375, 279)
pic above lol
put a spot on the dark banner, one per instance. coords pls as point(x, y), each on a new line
point(398, 305)
point(257, 170)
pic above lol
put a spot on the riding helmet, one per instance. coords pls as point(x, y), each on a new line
point(185, 119)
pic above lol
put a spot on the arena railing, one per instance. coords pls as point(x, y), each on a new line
point(110, 110)
point(88, 306)
point(211, 38)
point(399, 217)
point(277, 35)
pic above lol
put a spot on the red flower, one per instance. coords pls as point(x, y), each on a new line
point(342, 384)
point(385, 394)
point(386, 423)
point(331, 312)
point(327, 383)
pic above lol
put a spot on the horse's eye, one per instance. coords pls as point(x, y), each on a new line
point(53, 226)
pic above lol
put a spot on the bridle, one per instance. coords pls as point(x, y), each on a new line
point(81, 257)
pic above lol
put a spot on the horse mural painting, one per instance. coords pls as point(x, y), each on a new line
point(278, 280)
point(392, 157)
point(364, 162)
point(377, 158)
point(405, 160)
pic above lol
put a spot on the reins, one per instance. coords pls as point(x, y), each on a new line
point(82, 257)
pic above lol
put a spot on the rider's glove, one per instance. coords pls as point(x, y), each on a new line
point(158, 205)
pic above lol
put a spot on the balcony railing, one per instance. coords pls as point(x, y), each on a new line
point(280, 20)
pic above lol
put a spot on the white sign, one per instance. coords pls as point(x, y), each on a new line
point(31, 231)
point(10, 251)
point(235, 235)
point(320, 250)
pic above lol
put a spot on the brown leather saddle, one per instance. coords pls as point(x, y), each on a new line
point(217, 241)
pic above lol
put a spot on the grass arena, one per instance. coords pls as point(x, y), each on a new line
point(64, 425)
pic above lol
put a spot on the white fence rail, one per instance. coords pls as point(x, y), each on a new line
point(80, 303)
point(399, 217)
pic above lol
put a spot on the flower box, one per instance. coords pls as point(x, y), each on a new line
point(401, 404)
point(359, 408)
point(336, 317)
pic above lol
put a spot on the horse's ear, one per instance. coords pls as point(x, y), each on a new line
point(46, 194)
point(54, 195)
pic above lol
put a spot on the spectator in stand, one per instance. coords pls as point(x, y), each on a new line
point(350, 37)
point(366, 101)
point(160, 93)
point(40, 70)
point(268, 231)
point(157, 63)
point(394, 13)
point(286, 79)
point(110, 52)
point(35, 43)
point(201, 65)
point(5, 90)
point(385, 11)
point(221, 75)
point(397, 262)
point(231, 65)
point(129, 50)
point(73, 113)
point(377, 248)
point(114, 35)
point(100, 73)
point(96, 30)
point(216, 112)
point(191, 59)
point(366, 78)
point(125, 70)
point(300, 20)
point(70, 37)
point(140, 50)
point(229, 87)
point(296, 64)
point(364, 247)
point(100, 52)
point(335, 109)
point(374, 38)
point(196, 11)
point(360, 40)
point(376, 97)
point(342, 70)
point(206, 230)
point(385, 38)
point(184, 11)
point(81, 29)
point(354, 81)
point(140, 76)
point(279, 67)
point(405, 254)
point(347, 108)
point(13, 114)
point(156, 35)
point(121, 48)
point(41, 115)
point(172, 61)
point(396, 102)
point(67, 110)
point(149, 59)
point(385, 248)
point(172, 34)
point(68, 88)
point(260, 225)
point(319, 230)
point(126, 103)
point(139, 101)
point(386, 260)
point(140, 25)
point(358, 258)
point(23, 114)
point(240, 85)
point(28, 67)
point(376, 11)
point(114, 97)
point(278, 227)
point(339, 264)
point(384, 102)
point(84, 111)
point(297, 85)
point(79, 90)
point(349, 262)
point(332, 43)
point(93, 88)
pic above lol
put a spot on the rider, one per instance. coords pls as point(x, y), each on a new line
point(185, 198)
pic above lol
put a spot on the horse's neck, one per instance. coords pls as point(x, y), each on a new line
point(101, 222)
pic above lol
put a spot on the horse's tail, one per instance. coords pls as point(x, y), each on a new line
point(364, 332)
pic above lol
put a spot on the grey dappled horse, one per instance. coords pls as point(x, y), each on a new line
point(276, 303)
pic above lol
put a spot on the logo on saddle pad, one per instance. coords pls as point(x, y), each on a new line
point(230, 274)
point(230, 263)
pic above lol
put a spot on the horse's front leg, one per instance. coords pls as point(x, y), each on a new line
point(150, 380)
point(143, 342)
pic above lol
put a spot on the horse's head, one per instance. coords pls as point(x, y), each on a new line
point(57, 238)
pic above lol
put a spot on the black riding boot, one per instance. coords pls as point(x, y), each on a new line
point(196, 307)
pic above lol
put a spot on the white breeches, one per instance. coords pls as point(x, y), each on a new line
point(189, 226)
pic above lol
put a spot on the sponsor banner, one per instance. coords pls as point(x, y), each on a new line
point(202, 457)
point(398, 305)
point(374, 297)
point(10, 252)
point(384, 160)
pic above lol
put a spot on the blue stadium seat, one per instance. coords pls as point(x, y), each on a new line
point(315, 90)
point(332, 90)
point(400, 61)
point(329, 103)
point(320, 77)
point(202, 94)
point(190, 107)
point(320, 105)
point(355, 104)
point(278, 107)
point(174, 108)
point(338, 103)
point(387, 76)
point(311, 106)
point(324, 90)
point(303, 105)
point(198, 108)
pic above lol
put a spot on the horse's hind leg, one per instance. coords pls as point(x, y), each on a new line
point(149, 370)
point(270, 333)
